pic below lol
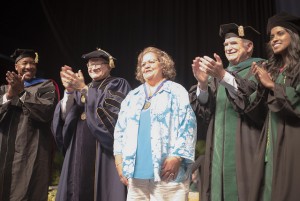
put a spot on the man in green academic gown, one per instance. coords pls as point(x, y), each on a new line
point(231, 137)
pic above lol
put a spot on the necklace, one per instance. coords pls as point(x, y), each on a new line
point(147, 102)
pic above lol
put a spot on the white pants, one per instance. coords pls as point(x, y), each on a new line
point(145, 189)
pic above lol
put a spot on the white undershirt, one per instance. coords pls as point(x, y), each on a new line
point(5, 99)
point(66, 104)
point(228, 82)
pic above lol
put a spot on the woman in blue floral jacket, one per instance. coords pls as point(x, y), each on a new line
point(155, 134)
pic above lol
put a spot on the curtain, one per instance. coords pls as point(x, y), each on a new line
point(61, 31)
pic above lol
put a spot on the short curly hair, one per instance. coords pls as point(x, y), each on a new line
point(168, 66)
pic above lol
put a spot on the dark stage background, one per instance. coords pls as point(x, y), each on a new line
point(61, 31)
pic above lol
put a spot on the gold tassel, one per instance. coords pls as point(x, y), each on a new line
point(241, 31)
point(36, 60)
point(111, 62)
point(110, 58)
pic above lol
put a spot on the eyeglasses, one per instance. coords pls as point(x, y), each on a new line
point(90, 66)
point(151, 61)
point(31, 63)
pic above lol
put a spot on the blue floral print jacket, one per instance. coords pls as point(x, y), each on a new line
point(173, 129)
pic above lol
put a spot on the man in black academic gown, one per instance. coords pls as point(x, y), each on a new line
point(27, 104)
point(231, 137)
point(83, 127)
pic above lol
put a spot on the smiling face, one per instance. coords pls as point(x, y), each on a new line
point(151, 68)
point(280, 40)
point(27, 67)
point(237, 49)
point(98, 68)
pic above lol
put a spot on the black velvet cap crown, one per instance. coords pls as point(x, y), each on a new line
point(99, 53)
point(285, 20)
point(233, 30)
point(22, 53)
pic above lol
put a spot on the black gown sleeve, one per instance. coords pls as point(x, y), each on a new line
point(249, 101)
point(203, 112)
point(38, 101)
point(63, 130)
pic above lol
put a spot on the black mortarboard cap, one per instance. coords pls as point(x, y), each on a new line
point(22, 53)
point(99, 53)
point(233, 30)
point(285, 20)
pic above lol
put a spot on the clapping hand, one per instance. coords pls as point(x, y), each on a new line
point(15, 84)
point(262, 75)
point(199, 74)
point(213, 67)
point(72, 81)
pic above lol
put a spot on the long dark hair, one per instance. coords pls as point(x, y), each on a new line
point(276, 61)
